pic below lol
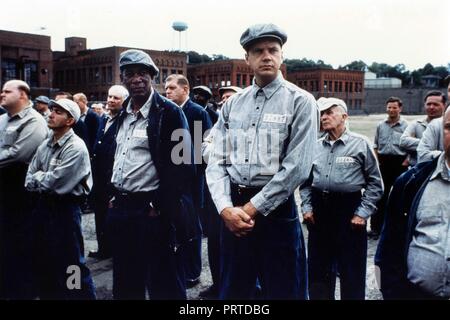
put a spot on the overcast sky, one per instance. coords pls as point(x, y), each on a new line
point(412, 32)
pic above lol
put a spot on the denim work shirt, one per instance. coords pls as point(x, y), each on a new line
point(387, 137)
point(411, 137)
point(347, 165)
point(263, 138)
point(61, 167)
point(429, 250)
point(432, 143)
point(21, 135)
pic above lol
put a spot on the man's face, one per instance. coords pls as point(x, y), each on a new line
point(176, 92)
point(137, 79)
point(10, 96)
point(447, 136)
point(59, 118)
point(393, 110)
point(200, 98)
point(40, 107)
point(265, 58)
point(332, 118)
point(98, 109)
point(114, 102)
point(434, 107)
point(226, 95)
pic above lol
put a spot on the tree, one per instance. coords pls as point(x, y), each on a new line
point(297, 64)
point(355, 65)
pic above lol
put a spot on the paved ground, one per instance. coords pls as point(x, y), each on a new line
point(102, 270)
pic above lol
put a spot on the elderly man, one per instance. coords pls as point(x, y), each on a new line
point(151, 215)
point(413, 252)
point(262, 152)
point(177, 90)
point(60, 176)
point(41, 106)
point(102, 165)
point(391, 157)
point(22, 130)
point(434, 108)
point(342, 192)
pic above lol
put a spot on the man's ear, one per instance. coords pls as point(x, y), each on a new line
point(70, 121)
point(246, 59)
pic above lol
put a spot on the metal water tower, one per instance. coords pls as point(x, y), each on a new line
point(180, 26)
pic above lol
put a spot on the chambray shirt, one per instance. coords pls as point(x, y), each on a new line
point(387, 137)
point(432, 143)
point(429, 250)
point(61, 167)
point(263, 138)
point(134, 170)
point(347, 165)
point(411, 137)
point(21, 135)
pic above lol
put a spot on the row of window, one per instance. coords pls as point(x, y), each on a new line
point(93, 75)
point(331, 86)
point(216, 81)
point(13, 69)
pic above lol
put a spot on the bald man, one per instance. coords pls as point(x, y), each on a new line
point(22, 130)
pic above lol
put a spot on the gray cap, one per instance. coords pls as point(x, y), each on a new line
point(43, 99)
point(259, 31)
point(229, 88)
point(204, 89)
point(133, 57)
point(327, 103)
point(71, 107)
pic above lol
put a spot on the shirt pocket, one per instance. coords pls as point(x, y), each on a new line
point(345, 172)
point(430, 223)
point(10, 137)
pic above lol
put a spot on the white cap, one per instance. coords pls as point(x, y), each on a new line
point(71, 107)
point(327, 103)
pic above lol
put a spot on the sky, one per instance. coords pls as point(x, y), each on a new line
point(409, 32)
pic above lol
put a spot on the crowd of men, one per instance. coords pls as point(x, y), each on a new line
point(162, 171)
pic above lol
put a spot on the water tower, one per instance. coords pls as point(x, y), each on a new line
point(179, 26)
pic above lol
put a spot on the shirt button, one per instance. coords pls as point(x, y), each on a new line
point(253, 124)
point(123, 153)
point(329, 163)
point(99, 142)
point(246, 160)
point(245, 179)
point(326, 176)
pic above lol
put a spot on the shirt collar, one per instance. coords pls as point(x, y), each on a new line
point(61, 140)
point(441, 169)
point(22, 113)
point(400, 120)
point(145, 109)
point(184, 103)
point(269, 89)
point(344, 138)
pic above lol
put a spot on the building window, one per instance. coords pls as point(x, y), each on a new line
point(9, 70)
point(244, 80)
point(109, 77)
point(31, 74)
point(164, 75)
point(180, 71)
point(103, 74)
point(173, 71)
point(238, 80)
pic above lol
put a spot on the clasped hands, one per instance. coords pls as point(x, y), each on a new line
point(240, 220)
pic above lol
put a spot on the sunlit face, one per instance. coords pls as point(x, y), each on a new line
point(176, 92)
point(265, 58)
point(138, 81)
point(114, 101)
point(393, 110)
point(434, 107)
point(10, 96)
point(59, 118)
point(332, 118)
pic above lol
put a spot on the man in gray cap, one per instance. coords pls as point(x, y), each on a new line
point(41, 106)
point(60, 176)
point(334, 207)
point(22, 130)
point(151, 215)
point(201, 96)
point(261, 153)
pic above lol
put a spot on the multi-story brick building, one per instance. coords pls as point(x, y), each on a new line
point(216, 74)
point(94, 71)
point(27, 57)
point(347, 85)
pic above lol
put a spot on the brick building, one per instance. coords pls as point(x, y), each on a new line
point(347, 85)
point(27, 57)
point(94, 71)
point(216, 74)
